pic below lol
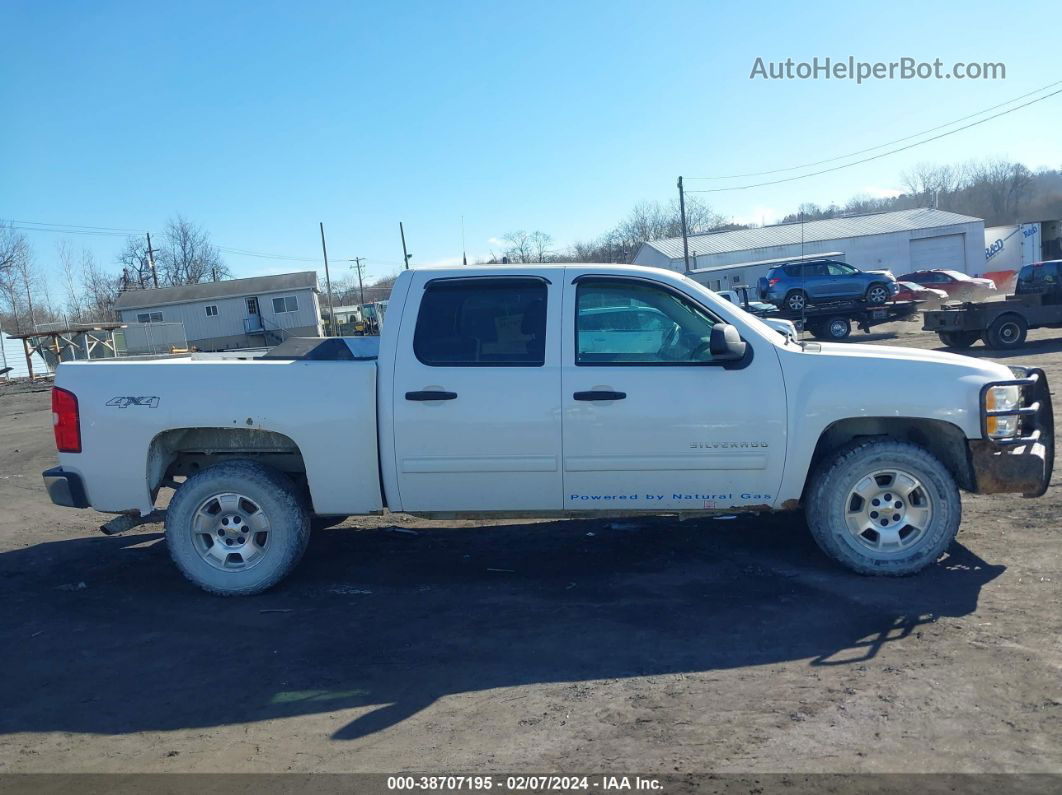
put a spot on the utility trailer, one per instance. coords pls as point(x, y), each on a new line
point(834, 320)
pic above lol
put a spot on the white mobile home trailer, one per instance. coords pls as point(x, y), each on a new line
point(235, 313)
point(901, 241)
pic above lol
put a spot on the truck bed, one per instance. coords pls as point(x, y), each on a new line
point(324, 410)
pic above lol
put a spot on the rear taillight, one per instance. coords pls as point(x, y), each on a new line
point(773, 282)
point(65, 421)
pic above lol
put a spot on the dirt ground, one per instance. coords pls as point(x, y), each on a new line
point(651, 646)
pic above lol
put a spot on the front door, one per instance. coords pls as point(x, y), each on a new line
point(254, 317)
point(477, 409)
point(650, 421)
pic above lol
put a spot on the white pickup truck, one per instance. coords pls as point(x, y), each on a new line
point(521, 391)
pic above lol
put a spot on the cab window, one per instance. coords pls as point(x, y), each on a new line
point(491, 322)
point(624, 322)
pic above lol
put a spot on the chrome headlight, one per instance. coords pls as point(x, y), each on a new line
point(1002, 398)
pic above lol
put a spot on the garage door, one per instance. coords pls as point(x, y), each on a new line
point(943, 251)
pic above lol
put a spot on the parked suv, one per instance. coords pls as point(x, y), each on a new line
point(795, 285)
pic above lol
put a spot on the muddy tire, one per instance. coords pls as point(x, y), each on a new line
point(237, 528)
point(883, 507)
point(959, 339)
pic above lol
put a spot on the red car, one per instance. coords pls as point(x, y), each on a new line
point(958, 286)
point(909, 291)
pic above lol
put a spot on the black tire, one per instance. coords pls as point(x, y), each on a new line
point(836, 328)
point(1006, 332)
point(265, 556)
point(959, 339)
point(795, 300)
point(831, 506)
point(877, 294)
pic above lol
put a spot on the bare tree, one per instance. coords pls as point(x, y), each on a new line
point(1002, 186)
point(187, 256)
point(100, 289)
point(931, 185)
point(519, 246)
point(74, 304)
point(540, 243)
point(135, 261)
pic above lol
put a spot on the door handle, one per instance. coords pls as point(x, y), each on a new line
point(599, 395)
point(430, 395)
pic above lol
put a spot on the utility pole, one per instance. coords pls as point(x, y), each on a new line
point(405, 255)
point(361, 287)
point(328, 282)
point(151, 262)
point(685, 232)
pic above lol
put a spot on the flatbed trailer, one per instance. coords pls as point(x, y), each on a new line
point(1001, 325)
point(834, 320)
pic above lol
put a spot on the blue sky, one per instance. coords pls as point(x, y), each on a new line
point(258, 120)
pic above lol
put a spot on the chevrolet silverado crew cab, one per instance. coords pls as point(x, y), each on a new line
point(551, 391)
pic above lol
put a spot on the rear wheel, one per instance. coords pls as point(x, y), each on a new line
point(883, 507)
point(877, 294)
point(959, 339)
point(796, 301)
point(835, 328)
point(237, 528)
point(1007, 331)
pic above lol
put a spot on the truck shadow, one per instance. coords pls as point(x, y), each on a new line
point(378, 625)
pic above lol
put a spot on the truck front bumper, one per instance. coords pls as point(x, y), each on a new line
point(65, 488)
point(1022, 464)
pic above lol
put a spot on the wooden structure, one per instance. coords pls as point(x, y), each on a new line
point(69, 343)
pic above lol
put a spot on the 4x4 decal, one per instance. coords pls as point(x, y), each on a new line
point(125, 402)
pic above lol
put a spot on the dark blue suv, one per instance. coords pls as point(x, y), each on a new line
point(795, 285)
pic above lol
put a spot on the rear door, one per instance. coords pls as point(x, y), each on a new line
point(818, 283)
point(476, 397)
point(650, 421)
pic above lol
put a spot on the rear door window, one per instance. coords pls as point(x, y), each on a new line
point(490, 322)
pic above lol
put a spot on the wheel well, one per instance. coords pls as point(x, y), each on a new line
point(944, 440)
point(185, 451)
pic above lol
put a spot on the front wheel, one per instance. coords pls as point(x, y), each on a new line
point(237, 528)
point(959, 339)
point(877, 294)
point(883, 507)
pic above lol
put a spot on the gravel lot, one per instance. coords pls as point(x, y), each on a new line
point(651, 646)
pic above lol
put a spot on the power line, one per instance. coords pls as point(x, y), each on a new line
point(79, 226)
point(113, 231)
point(876, 157)
point(879, 146)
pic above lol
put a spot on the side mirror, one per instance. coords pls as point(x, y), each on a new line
point(726, 344)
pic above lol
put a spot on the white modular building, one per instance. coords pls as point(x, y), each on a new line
point(900, 241)
point(234, 313)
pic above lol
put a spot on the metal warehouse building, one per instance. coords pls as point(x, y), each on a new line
point(234, 313)
point(902, 241)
